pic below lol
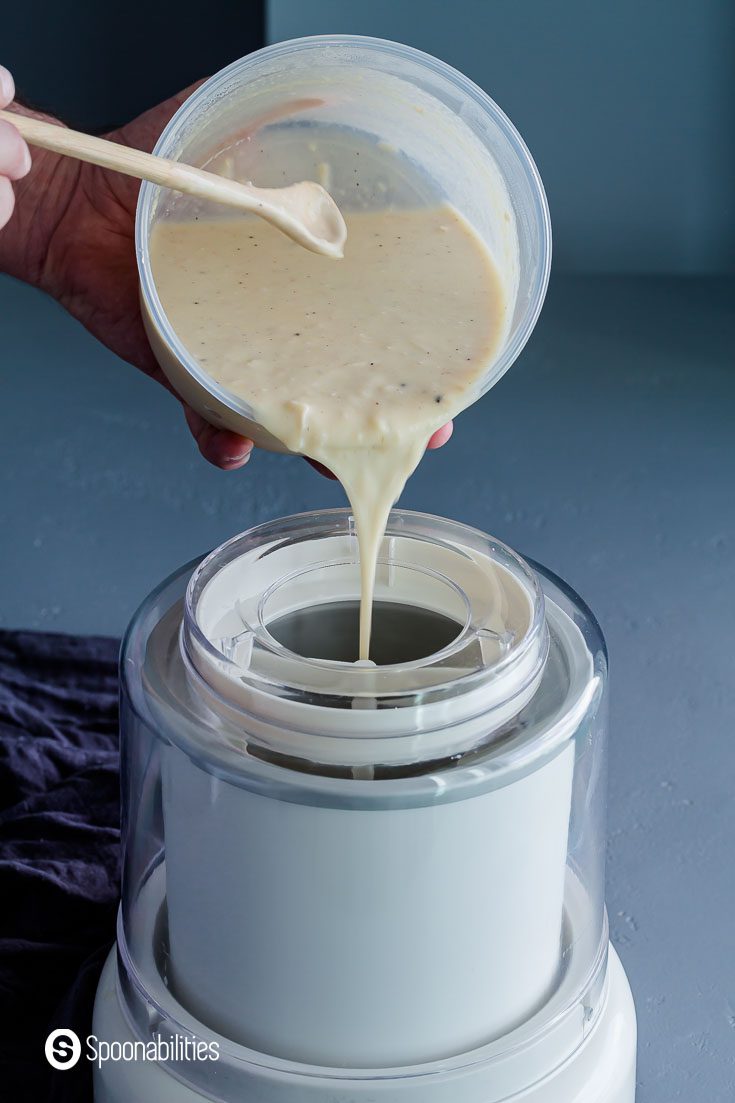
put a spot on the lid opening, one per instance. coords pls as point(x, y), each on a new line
point(401, 633)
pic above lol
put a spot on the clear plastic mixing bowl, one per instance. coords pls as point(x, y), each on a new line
point(379, 124)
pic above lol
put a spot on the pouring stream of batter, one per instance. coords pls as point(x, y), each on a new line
point(354, 364)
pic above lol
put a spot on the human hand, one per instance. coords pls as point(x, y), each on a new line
point(15, 158)
point(73, 236)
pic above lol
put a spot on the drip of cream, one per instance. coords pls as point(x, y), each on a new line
point(355, 364)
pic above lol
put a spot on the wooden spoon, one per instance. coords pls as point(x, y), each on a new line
point(305, 212)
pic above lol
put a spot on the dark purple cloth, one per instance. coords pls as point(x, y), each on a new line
point(59, 850)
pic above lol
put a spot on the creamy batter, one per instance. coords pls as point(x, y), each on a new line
point(354, 363)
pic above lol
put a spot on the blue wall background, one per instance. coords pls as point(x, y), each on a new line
point(99, 65)
point(627, 106)
point(606, 452)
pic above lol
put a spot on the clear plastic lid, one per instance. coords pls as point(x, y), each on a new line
point(270, 625)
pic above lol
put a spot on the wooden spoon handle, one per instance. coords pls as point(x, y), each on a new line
point(108, 155)
point(303, 211)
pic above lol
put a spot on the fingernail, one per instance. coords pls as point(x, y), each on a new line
point(233, 465)
point(242, 458)
point(7, 86)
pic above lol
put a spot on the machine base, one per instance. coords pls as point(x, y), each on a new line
point(601, 1070)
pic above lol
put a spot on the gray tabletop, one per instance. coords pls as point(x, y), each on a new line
point(607, 453)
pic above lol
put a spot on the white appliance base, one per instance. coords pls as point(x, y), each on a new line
point(601, 1070)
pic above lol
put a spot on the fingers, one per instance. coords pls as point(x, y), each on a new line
point(7, 200)
point(441, 436)
point(15, 159)
point(221, 447)
point(7, 87)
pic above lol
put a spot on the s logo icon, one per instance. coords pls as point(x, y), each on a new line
point(63, 1049)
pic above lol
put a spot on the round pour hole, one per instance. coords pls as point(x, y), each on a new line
point(401, 633)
